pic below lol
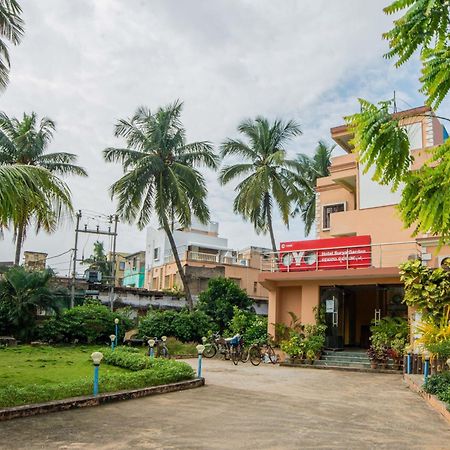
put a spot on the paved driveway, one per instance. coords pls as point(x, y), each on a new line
point(248, 407)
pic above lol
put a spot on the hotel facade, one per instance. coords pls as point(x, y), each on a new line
point(351, 269)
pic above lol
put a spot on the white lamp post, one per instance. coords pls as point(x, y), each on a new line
point(200, 349)
point(151, 343)
point(96, 358)
point(116, 329)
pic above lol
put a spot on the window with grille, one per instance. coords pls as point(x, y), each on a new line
point(327, 211)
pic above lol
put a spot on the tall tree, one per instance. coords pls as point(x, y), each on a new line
point(310, 168)
point(11, 29)
point(161, 175)
point(269, 174)
point(379, 137)
point(25, 142)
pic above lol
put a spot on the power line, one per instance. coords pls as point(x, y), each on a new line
point(61, 254)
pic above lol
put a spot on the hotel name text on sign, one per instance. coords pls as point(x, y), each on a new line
point(326, 254)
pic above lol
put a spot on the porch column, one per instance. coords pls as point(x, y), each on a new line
point(272, 315)
point(310, 299)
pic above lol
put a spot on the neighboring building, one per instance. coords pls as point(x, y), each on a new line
point(134, 272)
point(204, 255)
point(35, 260)
point(352, 269)
point(121, 259)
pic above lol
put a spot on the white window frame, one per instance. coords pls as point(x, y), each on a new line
point(157, 251)
point(323, 214)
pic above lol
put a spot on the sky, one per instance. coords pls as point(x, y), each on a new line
point(86, 64)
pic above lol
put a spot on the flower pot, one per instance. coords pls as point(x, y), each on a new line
point(383, 364)
point(373, 364)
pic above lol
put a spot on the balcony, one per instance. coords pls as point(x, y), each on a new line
point(382, 255)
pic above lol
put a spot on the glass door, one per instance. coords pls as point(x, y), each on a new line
point(332, 302)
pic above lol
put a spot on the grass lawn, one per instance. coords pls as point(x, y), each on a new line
point(39, 374)
point(25, 365)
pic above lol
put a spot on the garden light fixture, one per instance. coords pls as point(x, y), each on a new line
point(116, 330)
point(113, 340)
point(151, 343)
point(96, 358)
point(200, 349)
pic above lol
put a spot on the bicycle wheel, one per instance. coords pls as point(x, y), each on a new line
point(271, 354)
point(235, 356)
point(210, 351)
point(255, 355)
point(245, 355)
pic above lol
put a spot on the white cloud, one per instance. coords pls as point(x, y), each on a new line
point(85, 64)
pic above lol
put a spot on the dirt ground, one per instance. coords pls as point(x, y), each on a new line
point(243, 407)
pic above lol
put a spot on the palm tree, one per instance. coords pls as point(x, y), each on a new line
point(310, 169)
point(98, 260)
point(23, 292)
point(268, 173)
point(33, 188)
point(160, 174)
point(11, 29)
point(25, 142)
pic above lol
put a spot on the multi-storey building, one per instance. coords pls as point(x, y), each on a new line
point(120, 266)
point(204, 255)
point(134, 270)
point(351, 269)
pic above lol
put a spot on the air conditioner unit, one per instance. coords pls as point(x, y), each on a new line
point(444, 262)
point(243, 262)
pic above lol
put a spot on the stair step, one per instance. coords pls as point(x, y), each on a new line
point(331, 357)
point(322, 362)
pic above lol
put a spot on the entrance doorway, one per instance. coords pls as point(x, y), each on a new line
point(350, 310)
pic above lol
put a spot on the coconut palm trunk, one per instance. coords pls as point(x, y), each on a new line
point(19, 242)
point(180, 268)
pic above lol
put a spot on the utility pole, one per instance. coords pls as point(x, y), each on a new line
point(74, 271)
point(96, 231)
point(113, 281)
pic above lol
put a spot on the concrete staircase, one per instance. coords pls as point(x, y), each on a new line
point(355, 359)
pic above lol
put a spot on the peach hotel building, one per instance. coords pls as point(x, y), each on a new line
point(351, 269)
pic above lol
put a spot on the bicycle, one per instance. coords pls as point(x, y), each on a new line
point(217, 345)
point(264, 352)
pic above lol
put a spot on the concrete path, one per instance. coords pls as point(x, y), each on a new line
point(246, 407)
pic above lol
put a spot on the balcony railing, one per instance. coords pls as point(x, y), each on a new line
point(389, 254)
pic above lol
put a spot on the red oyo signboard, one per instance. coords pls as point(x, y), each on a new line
point(326, 254)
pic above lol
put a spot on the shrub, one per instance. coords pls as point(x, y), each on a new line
point(439, 385)
point(89, 323)
point(184, 325)
point(219, 299)
point(252, 327)
point(121, 357)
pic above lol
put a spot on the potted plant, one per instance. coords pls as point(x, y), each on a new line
point(310, 356)
point(373, 356)
point(396, 351)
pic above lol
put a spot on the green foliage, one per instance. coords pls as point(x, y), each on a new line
point(304, 340)
point(441, 349)
point(11, 29)
point(98, 260)
point(389, 338)
point(123, 357)
point(157, 372)
point(425, 202)
point(380, 142)
point(184, 325)
point(161, 175)
point(22, 292)
point(22, 186)
point(424, 27)
point(308, 171)
point(426, 289)
point(250, 326)
point(218, 300)
point(439, 385)
point(89, 323)
point(269, 175)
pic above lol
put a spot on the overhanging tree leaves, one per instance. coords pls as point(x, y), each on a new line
point(382, 142)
